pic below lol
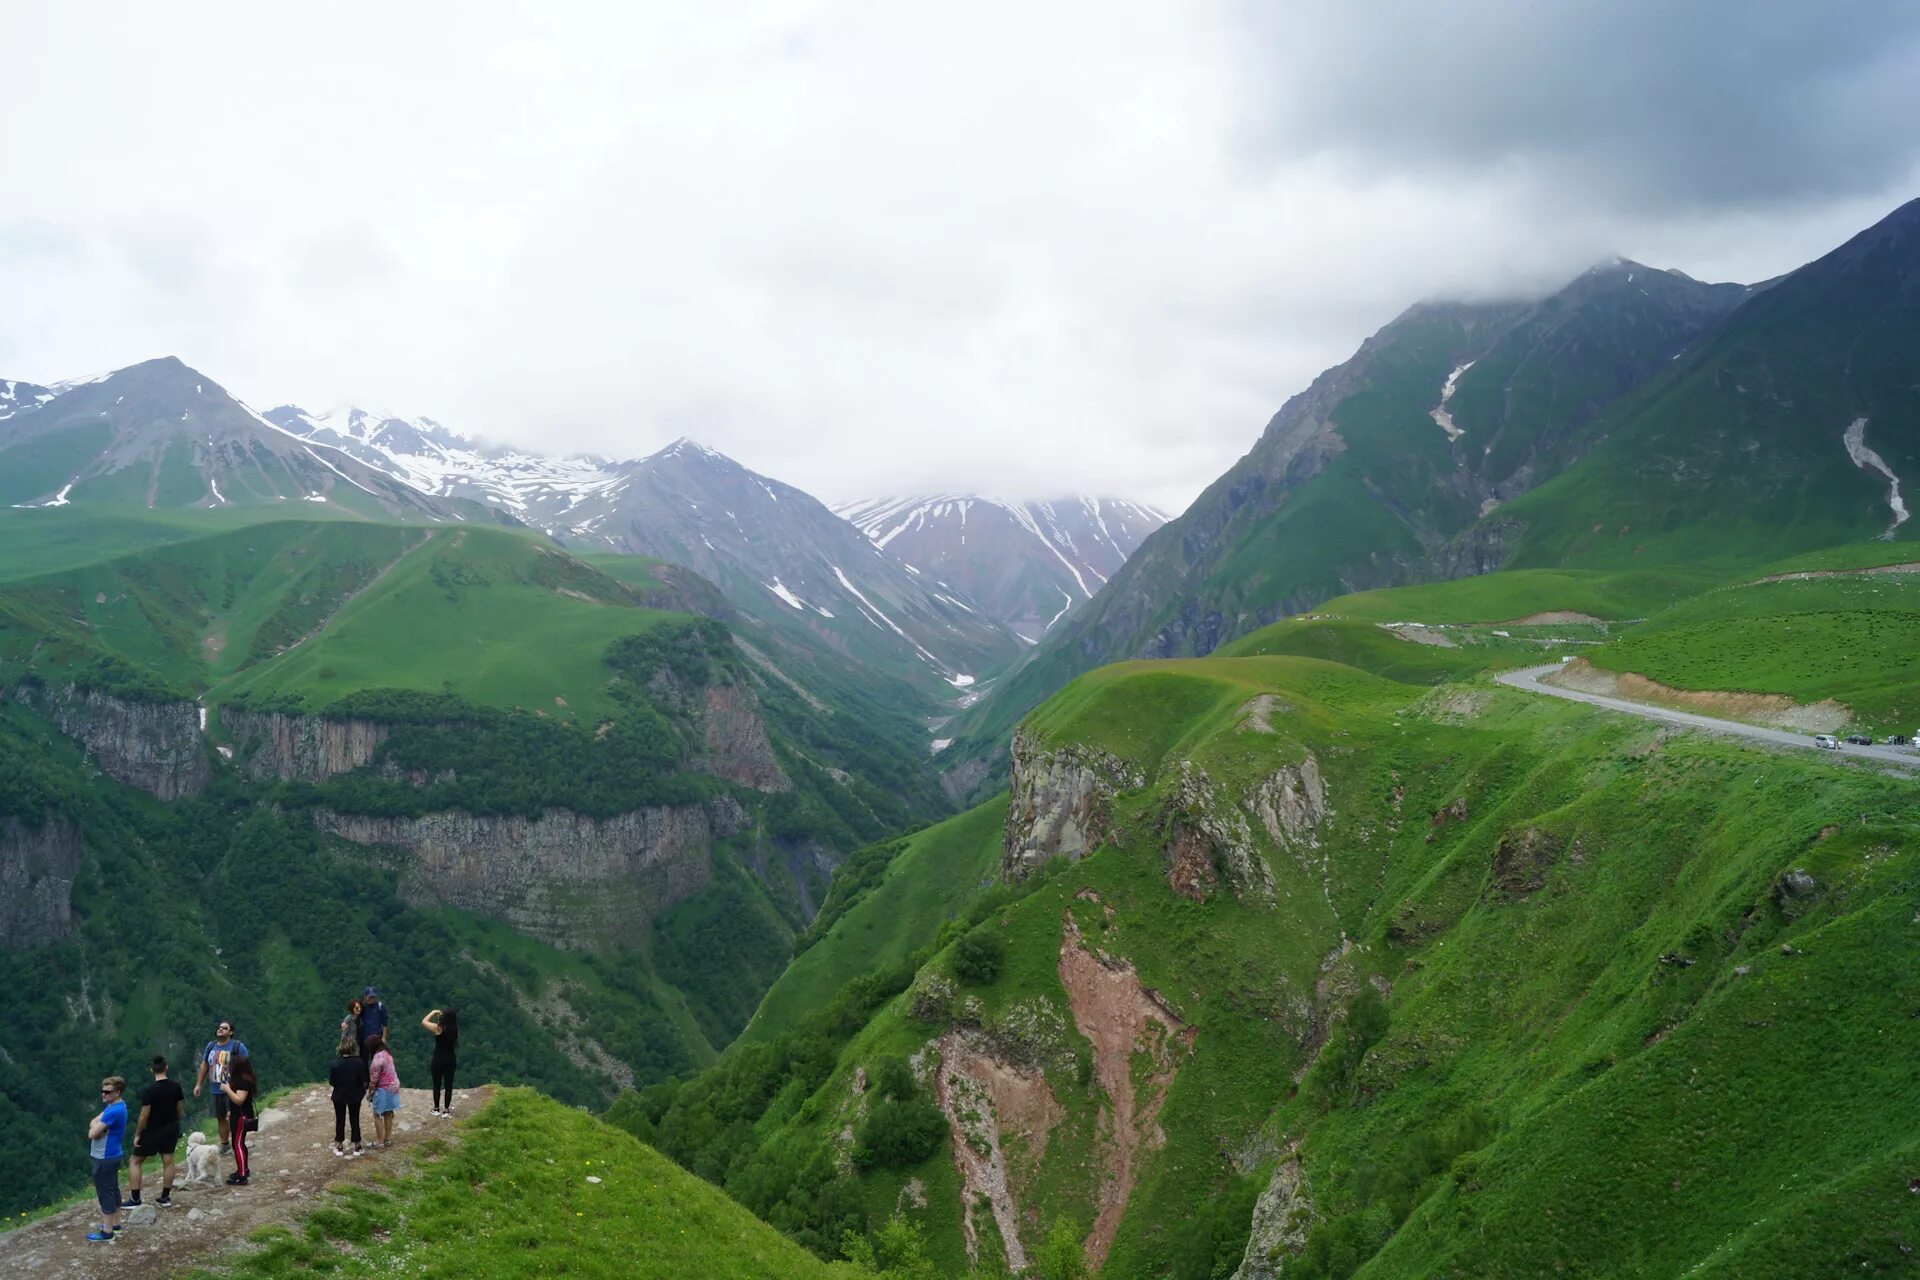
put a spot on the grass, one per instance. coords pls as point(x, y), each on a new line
point(1847, 638)
point(1522, 1004)
point(929, 882)
point(491, 615)
point(511, 1198)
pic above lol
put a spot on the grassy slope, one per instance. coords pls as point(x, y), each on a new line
point(1540, 1092)
point(315, 610)
point(1849, 638)
point(928, 882)
point(511, 1198)
point(491, 615)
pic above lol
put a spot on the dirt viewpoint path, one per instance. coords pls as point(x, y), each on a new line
point(293, 1162)
point(1529, 679)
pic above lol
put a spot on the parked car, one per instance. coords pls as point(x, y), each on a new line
point(1859, 739)
point(1826, 741)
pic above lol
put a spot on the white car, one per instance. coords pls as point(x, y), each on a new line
point(1826, 741)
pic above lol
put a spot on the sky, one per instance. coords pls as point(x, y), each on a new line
point(871, 248)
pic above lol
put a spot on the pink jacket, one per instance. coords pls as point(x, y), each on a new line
point(381, 1073)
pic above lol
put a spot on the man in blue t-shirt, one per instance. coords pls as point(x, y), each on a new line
point(104, 1134)
point(373, 1019)
point(214, 1061)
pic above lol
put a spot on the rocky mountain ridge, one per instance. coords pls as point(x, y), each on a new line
point(161, 436)
point(1028, 564)
point(776, 553)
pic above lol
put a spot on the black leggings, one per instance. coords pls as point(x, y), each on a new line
point(442, 1071)
point(341, 1112)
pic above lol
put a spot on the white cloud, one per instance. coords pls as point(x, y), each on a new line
point(1016, 248)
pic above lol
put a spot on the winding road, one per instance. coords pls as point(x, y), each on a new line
point(1529, 679)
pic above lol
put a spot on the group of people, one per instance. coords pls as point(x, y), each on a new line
point(362, 1071)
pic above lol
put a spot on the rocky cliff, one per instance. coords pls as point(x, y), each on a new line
point(272, 744)
point(734, 740)
point(37, 866)
point(721, 716)
point(1061, 802)
point(158, 747)
point(567, 879)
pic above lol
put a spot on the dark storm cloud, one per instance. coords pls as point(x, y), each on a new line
point(1647, 105)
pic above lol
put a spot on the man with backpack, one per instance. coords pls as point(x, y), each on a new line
point(373, 1021)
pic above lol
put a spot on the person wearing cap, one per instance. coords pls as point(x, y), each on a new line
point(373, 1021)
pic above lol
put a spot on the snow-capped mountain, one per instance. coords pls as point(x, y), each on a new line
point(776, 552)
point(22, 397)
point(431, 458)
point(163, 436)
point(1026, 563)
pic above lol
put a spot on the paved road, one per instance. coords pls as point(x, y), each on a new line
point(1528, 678)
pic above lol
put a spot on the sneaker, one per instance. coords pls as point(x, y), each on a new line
point(133, 1198)
point(166, 1198)
point(226, 1148)
point(339, 1150)
point(236, 1180)
point(99, 1235)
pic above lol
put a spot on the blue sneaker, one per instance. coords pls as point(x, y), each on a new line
point(97, 1236)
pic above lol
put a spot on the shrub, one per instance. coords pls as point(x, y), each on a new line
point(899, 1133)
point(978, 958)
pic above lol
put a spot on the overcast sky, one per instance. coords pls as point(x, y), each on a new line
point(881, 247)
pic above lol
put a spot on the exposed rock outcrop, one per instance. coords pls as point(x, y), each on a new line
point(1208, 840)
point(272, 744)
point(37, 867)
point(734, 740)
point(729, 737)
point(567, 879)
point(155, 746)
point(1281, 1219)
point(1291, 805)
point(1061, 803)
point(1122, 1020)
point(987, 1100)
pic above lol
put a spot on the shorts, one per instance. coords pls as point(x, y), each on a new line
point(221, 1103)
point(386, 1101)
point(106, 1184)
point(157, 1142)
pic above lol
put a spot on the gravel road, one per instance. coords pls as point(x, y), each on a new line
point(1528, 678)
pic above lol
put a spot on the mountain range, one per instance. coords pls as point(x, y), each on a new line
point(1308, 939)
point(1027, 564)
point(1634, 416)
point(159, 435)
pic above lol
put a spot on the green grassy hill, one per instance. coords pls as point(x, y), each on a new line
point(511, 1198)
point(1533, 989)
point(887, 902)
point(1849, 638)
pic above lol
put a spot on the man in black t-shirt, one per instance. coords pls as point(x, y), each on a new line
point(162, 1105)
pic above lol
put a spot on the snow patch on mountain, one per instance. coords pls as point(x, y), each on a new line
point(1855, 438)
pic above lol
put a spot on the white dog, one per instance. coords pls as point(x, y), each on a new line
point(203, 1160)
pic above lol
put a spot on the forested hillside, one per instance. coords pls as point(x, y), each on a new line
point(250, 771)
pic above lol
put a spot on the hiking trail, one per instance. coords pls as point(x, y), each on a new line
point(293, 1164)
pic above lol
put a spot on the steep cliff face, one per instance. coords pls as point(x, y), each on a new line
point(37, 866)
point(311, 748)
point(734, 739)
point(1061, 802)
point(156, 746)
point(569, 880)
